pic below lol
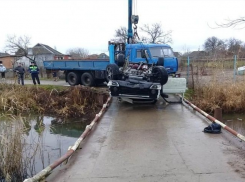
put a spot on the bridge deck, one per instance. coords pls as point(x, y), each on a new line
point(153, 143)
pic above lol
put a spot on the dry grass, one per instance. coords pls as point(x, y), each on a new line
point(17, 156)
point(70, 102)
point(217, 93)
point(13, 166)
point(218, 63)
point(214, 85)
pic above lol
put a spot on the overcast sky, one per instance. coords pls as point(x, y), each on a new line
point(90, 24)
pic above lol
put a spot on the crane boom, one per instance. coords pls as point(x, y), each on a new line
point(130, 29)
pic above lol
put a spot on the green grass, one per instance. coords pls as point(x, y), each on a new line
point(41, 78)
point(52, 87)
point(189, 94)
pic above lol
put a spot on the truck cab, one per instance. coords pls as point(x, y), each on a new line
point(152, 54)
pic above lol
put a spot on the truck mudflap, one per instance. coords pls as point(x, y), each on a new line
point(131, 90)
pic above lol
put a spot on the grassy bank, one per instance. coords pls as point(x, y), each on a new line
point(59, 101)
point(228, 95)
point(13, 167)
point(17, 155)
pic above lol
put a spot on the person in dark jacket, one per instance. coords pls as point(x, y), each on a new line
point(33, 69)
point(2, 71)
point(55, 76)
point(20, 72)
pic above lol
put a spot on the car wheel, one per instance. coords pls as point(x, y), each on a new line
point(159, 75)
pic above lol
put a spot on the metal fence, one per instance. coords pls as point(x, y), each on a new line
point(202, 70)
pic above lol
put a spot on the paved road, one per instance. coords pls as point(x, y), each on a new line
point(151, 143)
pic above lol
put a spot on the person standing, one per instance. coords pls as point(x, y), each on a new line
point(2, 70)
point(20, 72)
point(55, 76)
point(34, 70)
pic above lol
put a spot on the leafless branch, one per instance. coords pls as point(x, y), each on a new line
point(78, 53)
point(18, 45)
point(122, 34)
point(232, 23)
point(156, 34)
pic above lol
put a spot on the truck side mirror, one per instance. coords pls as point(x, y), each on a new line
point(143, 53)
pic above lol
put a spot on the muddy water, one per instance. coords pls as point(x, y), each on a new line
point(235, 121)
point(49, 140)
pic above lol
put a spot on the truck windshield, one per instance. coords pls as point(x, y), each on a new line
point(161, 52)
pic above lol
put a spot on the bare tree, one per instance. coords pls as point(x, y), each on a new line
point(122, 34)
point(213, 44)
point(232, 23)
point(234, 45)
point(78, 53)
point(156, 34)
point(242, 51)
point(19, 46)
point(186, 51)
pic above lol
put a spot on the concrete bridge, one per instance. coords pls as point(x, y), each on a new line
point(151, 143)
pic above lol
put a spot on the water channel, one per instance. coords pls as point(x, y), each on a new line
point(235, 121)
point(48, 139)
point(53, 138)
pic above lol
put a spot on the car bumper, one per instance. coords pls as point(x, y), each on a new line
point(142, 90)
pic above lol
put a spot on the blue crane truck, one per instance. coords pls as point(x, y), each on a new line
point(134, 70)
point(90, 72)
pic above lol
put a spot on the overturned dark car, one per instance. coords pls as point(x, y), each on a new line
point(139, 72)
point(143, 84)
point(134, 90)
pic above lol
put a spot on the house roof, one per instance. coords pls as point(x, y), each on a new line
point(44, 49)
point(196, 54)
point(177, 54)
point(103, 56)
point(2, 54)
point(93, 56)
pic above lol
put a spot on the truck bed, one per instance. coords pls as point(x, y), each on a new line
point(90, 64)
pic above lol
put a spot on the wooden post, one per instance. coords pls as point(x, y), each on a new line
point(218, 114)
point(188, 65)
point(192, 77)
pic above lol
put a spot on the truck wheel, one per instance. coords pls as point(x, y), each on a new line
point(160, 75)
point(87, 79)
point(72, 78)
point(112, 72)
